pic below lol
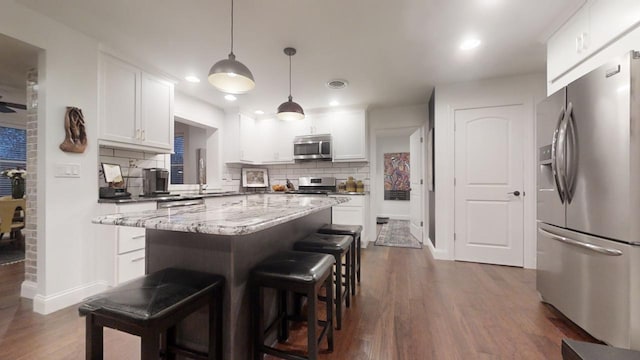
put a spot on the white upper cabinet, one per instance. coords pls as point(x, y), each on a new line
point(588, 38)
point(276, 140)
point(349, 136)
point(312, 124)
point(569, 45)
point(136, 108)
point(240, 140)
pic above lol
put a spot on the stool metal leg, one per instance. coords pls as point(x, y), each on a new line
point(150, 345)
point(312, 323)
point(215, 326)
point(329, 306)
point(93, 339)
point(359, 246)
point(338, 282)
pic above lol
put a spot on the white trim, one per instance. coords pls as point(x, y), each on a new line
point(51, 303)
point(28, 289)
point(438, 254)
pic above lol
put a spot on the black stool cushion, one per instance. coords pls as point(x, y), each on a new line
point(578, 350)
point(296, 266)
point(336, 229)
point(324, 243)
point(146, 298)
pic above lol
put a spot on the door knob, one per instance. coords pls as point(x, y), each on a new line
point(516, 193)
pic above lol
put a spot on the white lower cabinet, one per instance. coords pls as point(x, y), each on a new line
point(353, 212)
point(124, 245)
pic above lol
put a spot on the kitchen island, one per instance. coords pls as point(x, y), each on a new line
point(226, 239)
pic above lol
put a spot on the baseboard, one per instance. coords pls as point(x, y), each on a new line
point(50, 303)
point(28, 289)
point(396, 217)
point(437, 254)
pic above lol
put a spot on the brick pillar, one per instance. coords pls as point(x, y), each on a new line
point(30, 230)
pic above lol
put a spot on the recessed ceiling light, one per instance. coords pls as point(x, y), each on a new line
point(337, 84)
point(334, 103)
point(192, 79)
point(259, 112)
point(230, 97)
point(470, 43)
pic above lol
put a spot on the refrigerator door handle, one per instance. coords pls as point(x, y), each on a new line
point(584, 245)
point(572, 156)
point(554, 157)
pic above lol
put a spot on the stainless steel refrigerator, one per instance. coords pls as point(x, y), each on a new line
point(588, 248)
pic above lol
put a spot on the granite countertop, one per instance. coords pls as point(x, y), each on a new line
point(183, 196)
point(233, 218)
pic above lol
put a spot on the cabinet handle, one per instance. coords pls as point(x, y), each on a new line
point(137, 237)
point(137, 259)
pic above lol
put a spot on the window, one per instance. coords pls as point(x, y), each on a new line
point(177, 160)
point(13, 154)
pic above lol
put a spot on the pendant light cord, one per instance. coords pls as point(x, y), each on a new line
point(231, 26)
point(290, 78)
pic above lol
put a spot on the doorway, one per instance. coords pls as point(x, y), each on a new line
point(489, 196)
point(398, 187)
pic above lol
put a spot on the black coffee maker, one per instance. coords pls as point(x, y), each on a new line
point(155, 182)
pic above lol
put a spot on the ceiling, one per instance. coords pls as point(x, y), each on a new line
point(391, 52)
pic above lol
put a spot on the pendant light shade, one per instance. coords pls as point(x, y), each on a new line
point(229, 75)
point(290, 110)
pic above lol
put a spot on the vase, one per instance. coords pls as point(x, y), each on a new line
point(17, 188)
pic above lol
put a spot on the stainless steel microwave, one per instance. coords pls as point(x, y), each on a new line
point(312, 147)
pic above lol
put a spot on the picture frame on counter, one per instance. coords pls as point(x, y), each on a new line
point(255, 178)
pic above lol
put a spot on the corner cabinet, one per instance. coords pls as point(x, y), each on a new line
point(135, 108)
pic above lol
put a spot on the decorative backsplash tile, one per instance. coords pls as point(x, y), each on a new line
point(132, 162)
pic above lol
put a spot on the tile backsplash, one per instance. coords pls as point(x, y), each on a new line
point(278, 174)
point(132, 162)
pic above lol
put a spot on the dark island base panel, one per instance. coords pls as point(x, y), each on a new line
point(232, 257)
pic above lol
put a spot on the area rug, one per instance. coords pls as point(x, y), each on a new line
point(396, 233)
point(10, 254)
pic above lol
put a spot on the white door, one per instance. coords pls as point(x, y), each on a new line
point(488, 185)
point(415, 176)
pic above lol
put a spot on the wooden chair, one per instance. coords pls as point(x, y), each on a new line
point(8, 210)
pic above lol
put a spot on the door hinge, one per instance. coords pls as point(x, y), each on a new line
point(454, 181)
point(421, 182)
point(454, 236)
point(421, 223)
point(421, 139)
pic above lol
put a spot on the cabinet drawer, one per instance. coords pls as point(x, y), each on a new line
point(130, 265)
point(356, 200)
point(130, 238)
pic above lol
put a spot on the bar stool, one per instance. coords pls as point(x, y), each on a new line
point(292, 272)
point(355, 232)
point(337, 246)
point(151, 307)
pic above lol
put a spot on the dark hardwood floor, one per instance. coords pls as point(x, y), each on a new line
point(408, 307)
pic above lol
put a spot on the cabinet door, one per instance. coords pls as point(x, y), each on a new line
point(609, 19)
point(300, 127)
point(248, 147)
point(276, 141)
point(348, 130)
point(156, 122)
point(569, 45)
point(321, 123)
point(119, 99)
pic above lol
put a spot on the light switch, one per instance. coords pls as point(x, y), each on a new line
point(67, 170)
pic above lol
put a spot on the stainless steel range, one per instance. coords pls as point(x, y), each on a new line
point(315, 185)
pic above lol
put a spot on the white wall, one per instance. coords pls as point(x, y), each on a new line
point(68, 72)
point(389, 121)
point(394, 209)
point(527, 90)
point(211, 118)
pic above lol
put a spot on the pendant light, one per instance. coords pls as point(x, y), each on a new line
point(290, 110)
point(230, 75)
